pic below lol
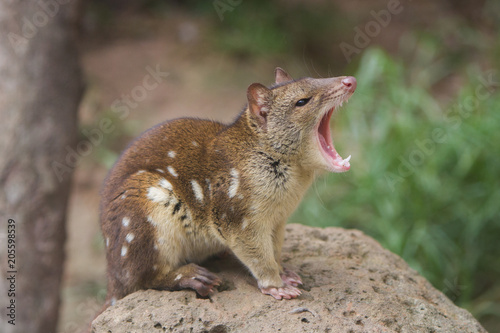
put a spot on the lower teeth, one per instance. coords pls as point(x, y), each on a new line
point(346, 161)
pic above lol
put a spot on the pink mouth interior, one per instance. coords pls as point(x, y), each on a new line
point(336, 162)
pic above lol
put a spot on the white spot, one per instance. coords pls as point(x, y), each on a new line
point(156, 194)
point(160, 170)
point(244, 224)
point(209, 185)
point(107, 241)
point(161, 240)
point(235, 182)
point(172, 171)
point(166, 184)
point(130, 237)
point(178, 277)
point(195, 143)
point(113, 301)
point(171, 154)
point(126, 221)
point(198, 191)
point(124, 250)
point(156, 248)
point(150, 220)
point(123, 196)
point(139, 172)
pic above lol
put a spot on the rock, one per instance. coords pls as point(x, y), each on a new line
point(351, 284)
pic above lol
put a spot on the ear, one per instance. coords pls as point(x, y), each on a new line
point(281, 75)
point(259, 102)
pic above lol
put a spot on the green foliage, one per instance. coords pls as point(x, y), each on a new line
point(239, 34)
point(424, 179)
point(270, 28)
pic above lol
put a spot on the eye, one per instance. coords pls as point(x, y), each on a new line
point(303, 101)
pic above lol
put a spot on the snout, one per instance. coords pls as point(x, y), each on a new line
point(350, 83)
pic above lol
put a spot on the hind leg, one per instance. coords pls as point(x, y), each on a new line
point(190, 276)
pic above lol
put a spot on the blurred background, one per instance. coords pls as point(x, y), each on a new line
point(423, 127)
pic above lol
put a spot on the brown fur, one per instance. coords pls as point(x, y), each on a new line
point(188, 188)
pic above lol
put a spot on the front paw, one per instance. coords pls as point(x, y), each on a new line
point(285, 292)
point(291, 278)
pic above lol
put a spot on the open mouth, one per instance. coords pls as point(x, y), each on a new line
point(334, 160)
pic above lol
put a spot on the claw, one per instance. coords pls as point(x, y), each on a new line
point(291, 278)
point(285, 292)
point(199, 279)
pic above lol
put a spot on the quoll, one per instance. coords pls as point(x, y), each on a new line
point(187, 189)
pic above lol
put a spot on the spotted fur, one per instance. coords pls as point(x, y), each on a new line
point(188, 189)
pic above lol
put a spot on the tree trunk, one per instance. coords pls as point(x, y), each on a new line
point(40, 89)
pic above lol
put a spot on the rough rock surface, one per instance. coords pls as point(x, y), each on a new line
point(351, 284)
